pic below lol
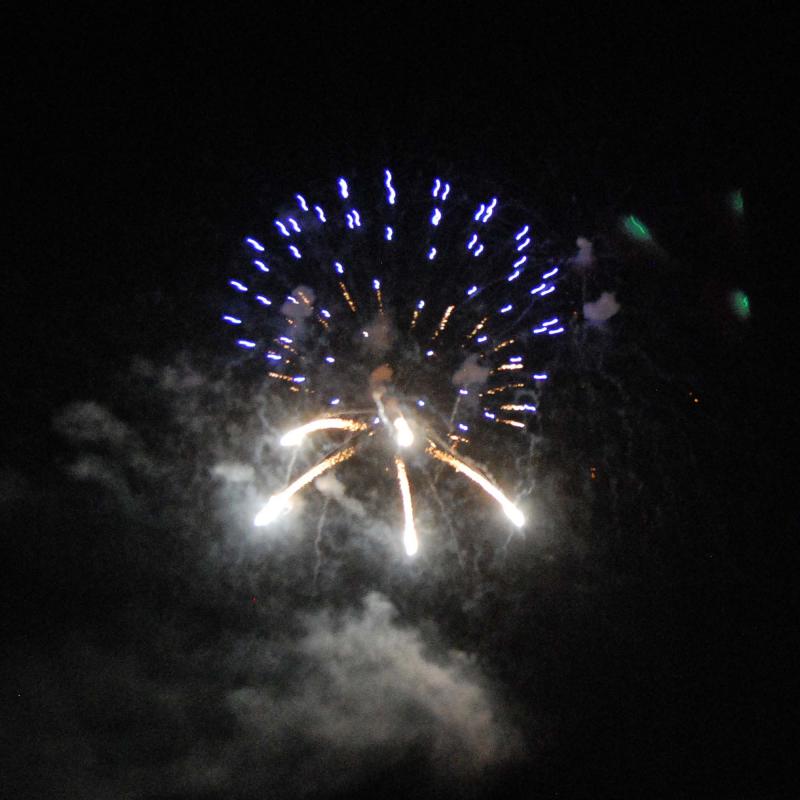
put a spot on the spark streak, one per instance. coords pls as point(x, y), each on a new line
point(279, 503)
point(409, 531)
point(510, 510)
point(296, 435)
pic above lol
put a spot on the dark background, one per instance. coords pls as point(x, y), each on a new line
point(144, 141)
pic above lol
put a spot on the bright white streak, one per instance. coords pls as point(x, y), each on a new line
point(409, 531)
point(296, 435)
point(510, 510)
point(279, 503)
point(403, 433)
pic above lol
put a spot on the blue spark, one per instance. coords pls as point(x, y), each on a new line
point(335, 401)
point(299, 379)
point(262, 266)
point(506, 309)
point(520, 261)
point(551, 273)
point(421, 305)
point(391, 192)
point(445, 192)
point(471, 291)
point(489, 415)
point(478, 250)
point(550, 322)
point(320, 214)
point(548, 291)
point(538, 288)
point(232, 320)
point(463, 427)
point(339, 267)
point(294, 225)
point(389, 233)
point(376, 284)
point(482, 339)
point(282, 228)
point(555, 331)
point(490, 209)
point(295, 251)
point(432, 254)
point(325, 313)
point(472, 241)
point(479, 212)
point(265, 301)
point(463, 392)
point(522, 245)
point(246, 343)
point(343, 188)
point(330, 359)
point(436, 186)
point(302, 201)
point(437, 215)
point(273, 356)
point(285, 340)
point(240, 287)
point(522, 232)
point(255, 245)
point(539, 376)
point(514, 275)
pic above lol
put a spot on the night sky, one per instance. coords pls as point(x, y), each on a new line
point(633, 643)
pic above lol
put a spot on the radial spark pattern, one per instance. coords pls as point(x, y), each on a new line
point(405, 314)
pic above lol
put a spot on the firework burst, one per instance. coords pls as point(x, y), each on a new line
point(410, 316)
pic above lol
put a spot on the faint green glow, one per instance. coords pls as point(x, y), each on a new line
point(736, 202)
point(740, 304)
point(636, 229)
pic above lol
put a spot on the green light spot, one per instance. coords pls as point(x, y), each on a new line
point(740, 304)
point(636, 229)
point(736, 202)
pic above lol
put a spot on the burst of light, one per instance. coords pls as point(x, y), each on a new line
point(520, 261)
point(403, 433)
point(471, 291)
point(279, 503)
point(295, 436)
point(409, 530)
point(506, 308)
point(510, 510)
point(339, 267)
point(330, 359)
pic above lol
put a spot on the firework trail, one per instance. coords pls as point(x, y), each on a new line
point(408, 316)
